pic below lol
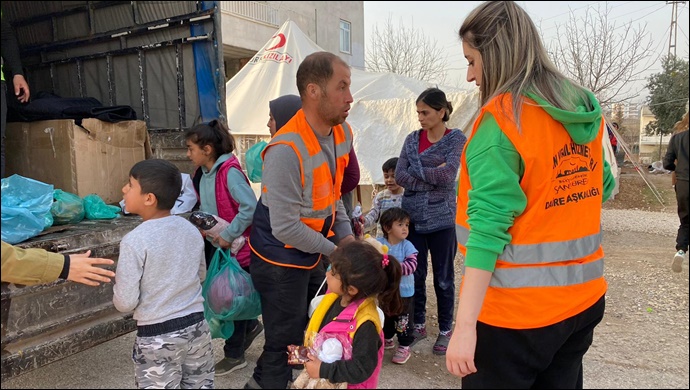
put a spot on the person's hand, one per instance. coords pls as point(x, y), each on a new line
point(21, 88)
point(347, 239)
point(83, 269)
point(221, 242)
point(313, 366)
point(460, 352)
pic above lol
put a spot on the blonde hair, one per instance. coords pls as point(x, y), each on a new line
point(514, 59)
point(681, 124)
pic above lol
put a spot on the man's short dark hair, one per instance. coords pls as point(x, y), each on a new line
point(316, 68)
point(159, 177)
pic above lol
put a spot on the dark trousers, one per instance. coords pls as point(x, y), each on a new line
point(443, 247)
point(541, 358)
point(3, 124)
point(402, 324)
point(234, 346)
point(285, 296)
point(682, 196)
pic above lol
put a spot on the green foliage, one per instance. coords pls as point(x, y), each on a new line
point(668, 94)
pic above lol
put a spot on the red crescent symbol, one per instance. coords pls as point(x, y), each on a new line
point(281, 41)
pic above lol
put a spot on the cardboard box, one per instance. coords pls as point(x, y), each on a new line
point(92, 158)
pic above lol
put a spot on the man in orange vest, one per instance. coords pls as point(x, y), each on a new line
point(532, 181)
point(299, 210)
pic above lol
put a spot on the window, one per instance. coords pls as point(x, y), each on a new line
point(344, 36)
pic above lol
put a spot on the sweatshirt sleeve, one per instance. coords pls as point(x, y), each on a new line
point(351, 176)
point(10, 50)
point(495, 168)
point(281, 178)
point(30, 266)
point(373, 215)
point(128, 274)
point(440, 176)
point(365, 347)
point(669, 160)
point(242, 192)
point(403, 177)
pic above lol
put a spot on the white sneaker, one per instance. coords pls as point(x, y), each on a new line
point(677, 265)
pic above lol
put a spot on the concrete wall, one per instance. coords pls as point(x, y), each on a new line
point(244, 35)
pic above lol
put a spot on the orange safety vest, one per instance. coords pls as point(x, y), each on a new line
point(553, 267)
point(320, 191)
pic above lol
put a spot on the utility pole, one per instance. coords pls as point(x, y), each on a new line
point(672, 40)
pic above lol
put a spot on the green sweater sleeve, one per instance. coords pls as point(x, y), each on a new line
point(495, 168)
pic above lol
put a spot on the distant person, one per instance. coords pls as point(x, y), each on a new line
point(427, 169)
point(612, 137)
point(12, 65)
point(35, 266)
point(532, 182)
point(676, 160)
point(389, 197)
point(299, 209)
point(224, 190)
point(159, 276)
point(395, 223)
point(359, 279)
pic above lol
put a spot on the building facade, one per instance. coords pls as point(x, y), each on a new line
point(652, 147)
point(337, 27)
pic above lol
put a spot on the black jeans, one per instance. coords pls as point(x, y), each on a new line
point(682, 195)
point(540, 358)
point(402, 324)
point(285, 296)
point(443, 247)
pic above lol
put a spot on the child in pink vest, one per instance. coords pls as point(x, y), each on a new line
point(359, 277)
point(224, 190)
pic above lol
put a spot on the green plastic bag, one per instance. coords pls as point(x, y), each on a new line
point(229, 295)
point(95, 208)
point(67, 208)
point(254, 161)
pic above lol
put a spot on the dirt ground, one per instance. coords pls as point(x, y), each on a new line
point(642, 341)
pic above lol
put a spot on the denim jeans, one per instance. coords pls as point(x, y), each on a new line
point(443, 246)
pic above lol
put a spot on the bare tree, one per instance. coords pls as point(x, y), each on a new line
point(406, 51)
point(602, 56)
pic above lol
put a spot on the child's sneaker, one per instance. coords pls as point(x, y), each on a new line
point(402, 355)
point(418, 334)
point(677, 265)
point(388, 344)
point(229, 365)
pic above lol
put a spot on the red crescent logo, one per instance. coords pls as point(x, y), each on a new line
point(281, 41)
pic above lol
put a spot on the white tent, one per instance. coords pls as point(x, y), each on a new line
point(382, 114)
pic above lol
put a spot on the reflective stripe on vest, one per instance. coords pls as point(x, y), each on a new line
point(547, 252)
point(320, 191)
point(553, 267)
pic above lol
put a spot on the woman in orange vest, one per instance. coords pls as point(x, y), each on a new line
point(532, 181)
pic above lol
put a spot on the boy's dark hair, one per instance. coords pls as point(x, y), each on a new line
point(159, 177)
point(360, 265)
point(391, 216)
point(216, 134)
point(390, 164)
point(436, 99)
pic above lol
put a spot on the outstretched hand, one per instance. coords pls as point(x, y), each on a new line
point(84, 269)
